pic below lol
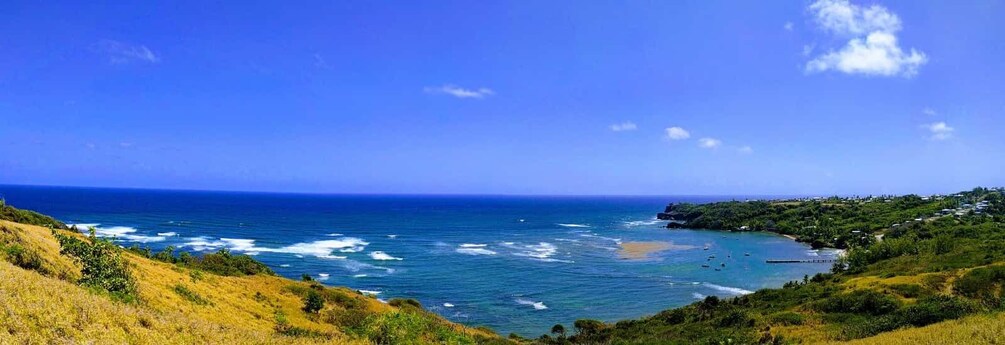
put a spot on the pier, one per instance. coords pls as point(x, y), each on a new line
point(799, 261)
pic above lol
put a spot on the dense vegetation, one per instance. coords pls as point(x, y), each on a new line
point(947, 265)
point(12, 214)
point(832, 222)
point(222, 262)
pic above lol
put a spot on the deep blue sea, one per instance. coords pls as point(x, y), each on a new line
point(513, 263)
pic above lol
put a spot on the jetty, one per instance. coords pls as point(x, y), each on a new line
point(799, 261)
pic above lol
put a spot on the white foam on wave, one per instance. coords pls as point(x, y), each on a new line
point(475, 251)
point(392, 236)
point(536, 305)
point(634, 223)
point(323, 276)
point(728, 289)
point(697, 296)
point(117, 232)
point(284, 265)
point(543, 251)
point(167, 234)
point(369, 292)
point(321, 249)
point(359, 276)
point(334, 234)
point(356, 266)
point(472, 245)
point(382, 256)
point(572, 225)
point(448, 305)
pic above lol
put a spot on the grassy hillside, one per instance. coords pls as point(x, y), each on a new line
point(911, 269)
point(47, 299)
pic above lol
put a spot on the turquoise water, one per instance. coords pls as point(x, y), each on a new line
point(515, 264)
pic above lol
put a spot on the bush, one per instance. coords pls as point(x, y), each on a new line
point(226, 264)
point(102, 264)
point(24, 258)
point(313, 302)
point(859, 302)
point(984, 284)
point(405, 303)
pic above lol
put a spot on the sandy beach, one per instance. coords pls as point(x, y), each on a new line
point(643, 250)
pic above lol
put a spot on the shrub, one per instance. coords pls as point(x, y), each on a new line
point(313, 302)
point(226, 264)
point(983, 283)
point(102, 264)
point(859, 302)
point(405, 303)
point(394, 328)
point(24, 258)
point(589, 330)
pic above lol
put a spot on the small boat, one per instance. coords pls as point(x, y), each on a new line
point(718, 269)
point(705, 265)
point(723, 264)
point(711, 256)
point(746, 254)
point(706, 248)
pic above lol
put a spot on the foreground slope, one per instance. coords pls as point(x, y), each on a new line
point(43, 303)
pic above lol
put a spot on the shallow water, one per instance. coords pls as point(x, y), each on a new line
point(515, 264)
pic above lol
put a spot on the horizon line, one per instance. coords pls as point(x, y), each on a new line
point(156, 189)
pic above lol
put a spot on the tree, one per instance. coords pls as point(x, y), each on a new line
point(558, 330)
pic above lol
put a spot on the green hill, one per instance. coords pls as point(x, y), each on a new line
point(908, 264)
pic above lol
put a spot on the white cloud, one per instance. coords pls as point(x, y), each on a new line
point(939, 130)
point(677, 133)
point(709, 143)
point(843, 18)
point(872, 47)
point(929, 111)
point(624, 126)
point(119, 52)
point(808, 49)
point(745, 150)
point(788, 26)
point(460, 92)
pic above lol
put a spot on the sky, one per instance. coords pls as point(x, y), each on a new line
point(824, 97)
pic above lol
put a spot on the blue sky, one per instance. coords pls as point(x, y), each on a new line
point(507, 97)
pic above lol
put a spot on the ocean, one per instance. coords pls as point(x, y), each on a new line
point(513, 263)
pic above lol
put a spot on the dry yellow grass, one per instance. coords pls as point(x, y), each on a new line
point(39, 309)
point(977, 329)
